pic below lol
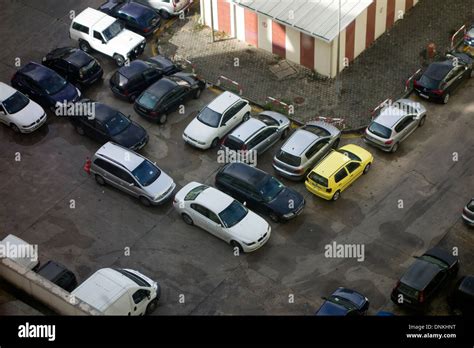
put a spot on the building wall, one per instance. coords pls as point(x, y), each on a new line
point(287, 42)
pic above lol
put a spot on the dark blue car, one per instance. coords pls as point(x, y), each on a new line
point(136, 17)
point(44, 86)
point(344, 302)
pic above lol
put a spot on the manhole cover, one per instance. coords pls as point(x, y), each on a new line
point(298, 100)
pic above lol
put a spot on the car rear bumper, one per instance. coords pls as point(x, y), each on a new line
point(429, 96)
point(317, 192)
point(288, 175)
point(384, 147)
point(90, 80)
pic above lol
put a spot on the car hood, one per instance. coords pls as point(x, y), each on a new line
point(251, 228)
point(29, 114)
point(286, 196)
point(131, 136)
point(69, 94)
point(125, 41)
point(160, 185)
point(201, 132)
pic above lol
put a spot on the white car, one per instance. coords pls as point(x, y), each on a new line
point(216, 120)
point(19, 112)
point(95, 30)
point(221, 215)
point(168, 8)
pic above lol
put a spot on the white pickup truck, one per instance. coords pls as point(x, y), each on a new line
point(119, 292)
point(95, 30)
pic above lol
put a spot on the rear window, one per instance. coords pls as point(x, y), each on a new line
point(119, 80)
point(319, 131)
point(318, 179)
point(428, 82)
point(470, 205)
point(233, 143)
point(380, 130)
point(290, 159)
point(192, 195)
point(406, 290)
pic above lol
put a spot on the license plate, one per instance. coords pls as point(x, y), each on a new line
point(424, 96)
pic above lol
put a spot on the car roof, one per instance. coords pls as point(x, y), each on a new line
point(103, 112)
point(134, 68)
point(331, 163)
point(161, 87)
point(438, 70)
point(244, 172)
point(223, 102)
point(116, 153)
point(299, 142)
point(248, 128)
point(134, 9)
point(36, 71)
point(333, 309)
point(390, 115)
point(94, 18)
point(160, 61)
point(420, 274)
point(6, 91)
point(78, 58)
point(214, 199)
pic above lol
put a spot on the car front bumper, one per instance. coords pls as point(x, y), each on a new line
point(467, 220)
point(195, 143)
point(167, 196)
point(41, 121)
point(257, 245)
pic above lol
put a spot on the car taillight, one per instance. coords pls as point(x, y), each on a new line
point(466, 37)
point(437, 91)
point(153, 113)
point(416, 84)
point(396, 285)
point(421, 297)
point(388, 142)
point(174, 3)
point(146, 30)
point(244, 147)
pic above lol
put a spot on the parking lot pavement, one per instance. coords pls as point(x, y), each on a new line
point(48, 199)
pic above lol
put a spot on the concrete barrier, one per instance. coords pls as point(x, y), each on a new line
point(48, 293)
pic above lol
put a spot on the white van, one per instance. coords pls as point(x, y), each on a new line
point(21, 252)
point(119, 292)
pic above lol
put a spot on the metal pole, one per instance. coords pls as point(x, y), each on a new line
point(212, 22)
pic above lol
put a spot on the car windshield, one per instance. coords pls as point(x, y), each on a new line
point(148, 100)
point(117, 124)
point(113, 30)
point(429, 82)
point(52, 84)
point(350, 155)
point(209, 117)
point(15, 103)
point(290, 159)
point(380, 130)
point(146, 173)
point(271, 188)
point(318, 179)
point(434, 260)
point(233, 214)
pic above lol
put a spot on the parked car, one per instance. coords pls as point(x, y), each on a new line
point(134, 16)
point(258, 134)
point(461, 299)
point(167, 8)
point(442, 78)
point(131, 173)
point(95, 30)
point(74, 65)
point(215, 120)
point(424, 278)
point(18, 112)
point(221, 216)
point(166, 95)
point(59, 275)
point(131, 80)
point(306, 147)
point(394, 124)
point(469, 37)
point(338, 170)
point(259, 191)
point(109, 124)
point(468, 213)
point(119, 292)
point(344, 302)
point(44, 86)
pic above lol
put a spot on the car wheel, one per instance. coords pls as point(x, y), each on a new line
point(15, 128)
point(132, 98)
point(336, 143)
point(395, 147)
point(152, 306)
point(446, 98)
point(187, 219)
point(197, 94)
point(100, 180)
point(119, 60)
point(145, 201)
point(285, 133)
point(422, 121)
point(80, 130)
point(84, 46)
point(336, 195)
point(237, 245)
point(215, 142)
point(367, 168)
point(246, 116)
point(162, 119)
point(164, 14)
point(274, 217)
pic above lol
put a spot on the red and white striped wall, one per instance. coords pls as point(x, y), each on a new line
point(287, 42)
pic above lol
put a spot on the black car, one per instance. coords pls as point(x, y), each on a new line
point(129, 81)
point(440, 79)
point(468, 213)
point(74, 65)
point(426, 276)
point(261, 191)
point(461, 299)
point(136, 17)
point(166, 95)
point(344, 302)
point(59, 275)
point(105, 124)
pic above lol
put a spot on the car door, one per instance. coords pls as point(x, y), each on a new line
point(4, 116)
point(149, 77)
point(99, 131)
point(35, 92)
point(458, 76)
point(227, 122)
point(140, 301)
point(270, 135)
point(355, 170)
point(316, 152)
point(207, 220)
point(341, 179)
point(97, 42)
point(127, 183)
point(170, 101)
point(403, 127)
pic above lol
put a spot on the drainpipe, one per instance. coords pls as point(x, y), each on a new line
point(213, 39)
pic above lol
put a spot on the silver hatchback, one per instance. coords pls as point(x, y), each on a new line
point(305, 148)
point(131, 173)
point(394, 124)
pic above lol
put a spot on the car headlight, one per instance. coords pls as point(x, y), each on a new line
point(78, 92)
point(287, 216)
point(249, 244)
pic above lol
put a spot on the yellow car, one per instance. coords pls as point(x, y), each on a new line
point(338, 170)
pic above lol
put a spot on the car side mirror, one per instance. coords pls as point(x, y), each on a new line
point(129, 116)
point(223, 125)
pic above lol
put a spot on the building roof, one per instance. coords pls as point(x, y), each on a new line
point(318, 18)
